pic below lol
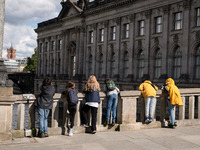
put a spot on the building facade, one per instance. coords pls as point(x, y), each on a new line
point(126, 40)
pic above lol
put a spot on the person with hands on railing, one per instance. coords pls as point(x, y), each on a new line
point(72, 98)
point(149, 95)
point(175, 99)
point(92, 97)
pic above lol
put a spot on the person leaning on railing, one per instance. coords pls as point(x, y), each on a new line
point(175, 99)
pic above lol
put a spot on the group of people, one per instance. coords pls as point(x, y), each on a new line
point(44, 102)
point(149, 94)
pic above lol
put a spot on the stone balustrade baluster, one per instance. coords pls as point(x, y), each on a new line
point(55, 114)
point(191, 107)
point(182, 109)
point(20, 116)
point(198, 107)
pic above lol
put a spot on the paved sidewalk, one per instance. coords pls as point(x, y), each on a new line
point(184, 138)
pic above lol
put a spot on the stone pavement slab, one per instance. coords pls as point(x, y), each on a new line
point(186, 138)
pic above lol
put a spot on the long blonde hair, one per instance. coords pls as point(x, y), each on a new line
point(92, 84)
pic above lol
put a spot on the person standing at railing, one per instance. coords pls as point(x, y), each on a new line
point(92, 97)
point(72, 99)
point(149, 95)
point(44, 104)
point(112, 98)
point(175, 99)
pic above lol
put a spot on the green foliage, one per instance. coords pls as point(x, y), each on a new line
point(31, 62)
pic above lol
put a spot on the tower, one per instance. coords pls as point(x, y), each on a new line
point(11, 53)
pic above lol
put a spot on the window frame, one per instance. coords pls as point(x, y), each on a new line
point(113, 33)
point(158, 25)
point(178, 22)
point(101, 35)
point(141, 27)
point(126, 30)
point(198, 16)
point(91, 37)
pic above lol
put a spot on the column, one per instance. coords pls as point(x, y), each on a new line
point(20, 117)
point(182, 110)
point(191, 107)
point(198, 107)
point(2, 16)
point(55, 117)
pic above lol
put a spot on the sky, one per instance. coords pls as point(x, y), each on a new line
point(21, 18)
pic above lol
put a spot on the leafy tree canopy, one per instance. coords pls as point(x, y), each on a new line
point(31, 62)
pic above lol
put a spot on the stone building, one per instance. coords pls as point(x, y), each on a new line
point(126, 40)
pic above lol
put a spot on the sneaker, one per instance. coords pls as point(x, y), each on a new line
point(46, 135)
point(93, 132)
point(84, 125)
point(105, 123)
point(70, 132)
point(42, 135)
point(113, 123)
point(147, 121)
point(171, 126)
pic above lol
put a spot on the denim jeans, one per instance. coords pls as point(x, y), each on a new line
point(150, 103)
point(43, 115)
point(111, 104)
point(171, 112)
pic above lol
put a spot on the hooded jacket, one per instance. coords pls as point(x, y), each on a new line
point(45, 99)
point(174, 93)
point(147, 89)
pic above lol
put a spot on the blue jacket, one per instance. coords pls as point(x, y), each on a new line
point(92, 96)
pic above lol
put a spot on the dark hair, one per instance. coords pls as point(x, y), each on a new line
point(71, 84)
point(107, 80)
point(46, 81)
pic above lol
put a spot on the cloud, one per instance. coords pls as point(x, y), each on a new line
point(21, 17)
point(23, 11)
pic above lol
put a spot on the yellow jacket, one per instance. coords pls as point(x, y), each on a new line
point(147, 89)
point(174, 93)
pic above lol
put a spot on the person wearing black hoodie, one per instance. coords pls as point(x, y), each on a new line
point(44, 104)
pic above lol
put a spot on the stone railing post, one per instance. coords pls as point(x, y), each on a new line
point(182, 109)
point(191, 107)
point(128, 105)
point(20, 116)
point(199, 107)
point(55, 115)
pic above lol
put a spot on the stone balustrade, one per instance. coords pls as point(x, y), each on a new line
point(18, 112)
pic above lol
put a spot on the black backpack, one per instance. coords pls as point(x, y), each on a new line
point(73, 97)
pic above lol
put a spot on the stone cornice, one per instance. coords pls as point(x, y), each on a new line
point(91, 9)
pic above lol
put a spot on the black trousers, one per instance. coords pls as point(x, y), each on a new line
point(72, 112)
point(84, 117)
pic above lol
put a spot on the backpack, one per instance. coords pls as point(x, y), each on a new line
point(110, 85)
point(73, 98)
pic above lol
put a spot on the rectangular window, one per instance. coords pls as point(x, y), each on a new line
point(41, 48)
point(101, 35)
point(91, 37)
point(126, 30)
point(59, 44)
point(158, 23)
point(141, 28)
point(113, 33)
point(53, 45)
point(178, 21)
point(198, 17)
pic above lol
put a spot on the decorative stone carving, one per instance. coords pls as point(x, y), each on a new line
point(132, 17)
point(118, 21)
point(186, 4)
point(156, 41)
point(148, 13)
point(106, 23)
point(175, 38)
point(139, 44)
point(166, 9)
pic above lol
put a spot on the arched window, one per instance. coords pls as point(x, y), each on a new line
point(197, 63)
point(126, 65)
point(101, 65)
point(177, 62)
point(90, 65)
point(140, 64)
point(112, 65)
point(158, 63)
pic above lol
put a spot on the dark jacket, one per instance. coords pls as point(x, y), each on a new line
point(92, 96)
point(45, 99)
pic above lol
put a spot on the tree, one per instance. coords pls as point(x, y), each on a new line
point(31, 62)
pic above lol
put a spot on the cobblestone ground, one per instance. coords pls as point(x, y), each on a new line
point(156, 139)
